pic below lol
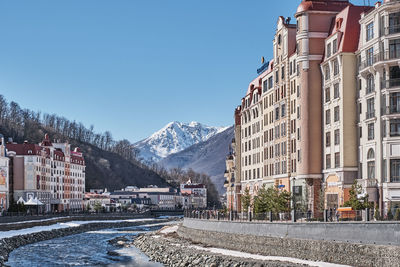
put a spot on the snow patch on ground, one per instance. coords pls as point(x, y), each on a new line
point(168, 230)
point(239, 254)
point(37, 229)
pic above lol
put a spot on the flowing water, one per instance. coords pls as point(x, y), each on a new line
point(85, 249)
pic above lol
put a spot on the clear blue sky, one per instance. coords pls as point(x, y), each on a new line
point(131, 66)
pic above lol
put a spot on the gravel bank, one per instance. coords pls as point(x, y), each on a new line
point(170, 250)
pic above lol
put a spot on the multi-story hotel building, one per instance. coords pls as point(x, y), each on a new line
point(52, 173)
point(329, 106)
point(4, 177)
point(339, 106)
point(379, 104)
point(251, 125)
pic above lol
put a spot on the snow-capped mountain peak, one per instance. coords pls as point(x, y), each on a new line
point(174, 137)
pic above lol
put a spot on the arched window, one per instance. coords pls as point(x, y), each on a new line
point(371, 163)
point(370, 83)
point(371, 154)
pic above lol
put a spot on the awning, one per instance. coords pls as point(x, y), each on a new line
point(33, 202)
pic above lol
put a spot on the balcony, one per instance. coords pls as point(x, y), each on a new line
point(391, 83)
point(370, 114)
point(378, 57)
point(389, 110)
point(367, 183)
point(393, 29)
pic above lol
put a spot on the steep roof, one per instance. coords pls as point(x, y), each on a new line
point(322, 5)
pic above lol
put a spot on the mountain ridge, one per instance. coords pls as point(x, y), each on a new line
point(204, 157)
point(173, 138)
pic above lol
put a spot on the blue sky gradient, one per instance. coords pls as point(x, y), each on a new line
point(132, 66)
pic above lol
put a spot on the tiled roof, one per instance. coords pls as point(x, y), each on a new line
point(322, 5)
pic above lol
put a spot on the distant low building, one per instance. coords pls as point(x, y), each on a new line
point(193, 196)
point(91, 199)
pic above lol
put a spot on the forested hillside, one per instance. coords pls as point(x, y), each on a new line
point(111, 164)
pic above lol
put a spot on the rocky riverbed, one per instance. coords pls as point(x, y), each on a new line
point(166, 247)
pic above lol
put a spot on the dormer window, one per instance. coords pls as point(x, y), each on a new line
point(334, 46)
point(328, 50)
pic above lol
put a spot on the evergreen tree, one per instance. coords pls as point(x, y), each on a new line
point(246, 200)
point(389, 213)
point(354, 202)
point(397, 215)
point(377, 214)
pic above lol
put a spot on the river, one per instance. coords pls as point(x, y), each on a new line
point(85, 249)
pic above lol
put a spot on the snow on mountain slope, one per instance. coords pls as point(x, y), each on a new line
point(173, 138)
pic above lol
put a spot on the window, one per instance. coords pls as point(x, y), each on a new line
point(394, 48)
point(395, 170)
point(327, 94)
point(370, 83)
point(328, 117)
point(394, 103)
point(277, 113)
point(335, 67)
point(370, 56)
point(371, 169)
point(394, 23)
point(334, 46)
point(337, 160)
point(394, 127)
point(370, 31)
point(270, 82)
point(265, 86)
point(327, 72)
point(371, 131)
point(337, 137)
point(328, 139)
point(277, 76)
point(283, 72)
point(328, 50)
point(336, 114)
point(283, 110)
point(370, 108)
point(371, 163)
point(328, 161)
point(336, 90)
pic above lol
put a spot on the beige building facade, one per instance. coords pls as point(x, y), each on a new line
point(379, 109)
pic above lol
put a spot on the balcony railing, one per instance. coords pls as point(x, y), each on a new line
point(392, 29)
point(370, 114)
point(367, 183)
point(391, 110)
point(390, 83)
point(381, 56)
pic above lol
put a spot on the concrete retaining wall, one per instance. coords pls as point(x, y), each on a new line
point(230, 236)
point(381, 233)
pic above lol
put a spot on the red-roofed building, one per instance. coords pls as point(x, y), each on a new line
point(193, 196)
point(50, 172)
point(340, 162)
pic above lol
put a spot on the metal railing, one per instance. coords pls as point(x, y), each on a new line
point(394, 109)
point(330, 215)
point(370, 114)
point(380, 56)
point(392, 29)
point(390, 83)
